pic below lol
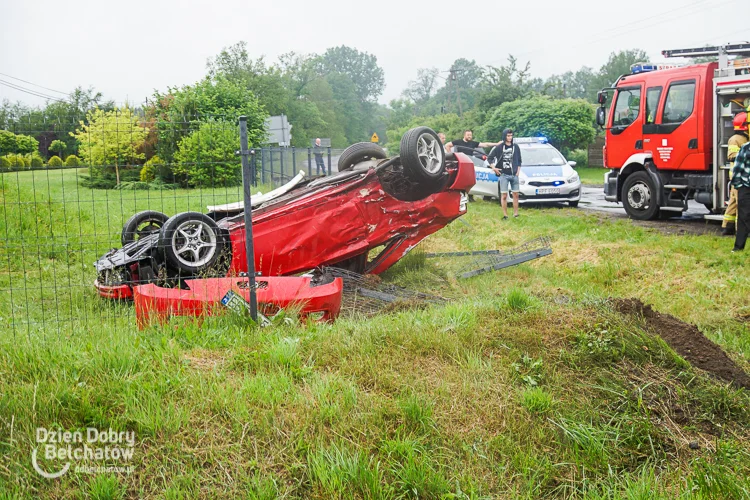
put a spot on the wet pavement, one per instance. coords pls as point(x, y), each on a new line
point(592, 198)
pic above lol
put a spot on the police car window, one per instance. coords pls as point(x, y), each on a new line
point(652, 102)
point(541, 156)
point(679, 102)
point(627, 107)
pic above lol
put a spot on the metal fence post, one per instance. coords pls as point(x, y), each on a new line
point(294, 161)
point(248, 216)
point(282, 154)
point(270, 161)
point(262, 166)
point(309, 163)
point(329, 160)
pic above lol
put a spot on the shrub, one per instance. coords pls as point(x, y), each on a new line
point(57, 147)
point(580, 156)
point(72, 161)
point(206, 157)
point(55, 162)
point(4, 163)
point(35, 160)
point(18, 162)
point(148, 172)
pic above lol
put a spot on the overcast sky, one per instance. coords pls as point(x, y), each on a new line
point(127, 49)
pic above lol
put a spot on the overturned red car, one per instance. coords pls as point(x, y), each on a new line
point(363, 218)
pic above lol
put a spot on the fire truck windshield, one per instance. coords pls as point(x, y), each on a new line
point(627, 106)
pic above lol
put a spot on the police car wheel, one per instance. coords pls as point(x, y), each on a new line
point(422, 155)
point(361, 151)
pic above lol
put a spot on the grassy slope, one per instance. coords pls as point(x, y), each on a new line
point(591, 175)
point(526, 385)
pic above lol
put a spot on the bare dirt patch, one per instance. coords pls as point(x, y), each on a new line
point(685, 225)
point(204, 360)
point(687, 341)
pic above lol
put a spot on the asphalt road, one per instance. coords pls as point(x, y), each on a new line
point(592, 198)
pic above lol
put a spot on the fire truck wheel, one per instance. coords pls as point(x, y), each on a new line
point(639, 197)
point(192, 242)
point(141, 224)
point(358, 152)
point(422, 156)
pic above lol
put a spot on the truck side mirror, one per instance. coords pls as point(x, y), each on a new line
point(601, 97)
point(601, 116)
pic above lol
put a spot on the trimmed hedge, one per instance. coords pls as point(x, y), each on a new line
point(55, 162)
point(72, 161)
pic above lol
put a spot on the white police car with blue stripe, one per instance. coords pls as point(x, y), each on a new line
point(545, 175)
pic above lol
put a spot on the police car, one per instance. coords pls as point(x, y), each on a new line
point(545, 175)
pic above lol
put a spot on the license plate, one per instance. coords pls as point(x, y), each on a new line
point(548, 191)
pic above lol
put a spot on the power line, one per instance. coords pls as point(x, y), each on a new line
point(31, 92)
point(35, 85)
point(609, 33)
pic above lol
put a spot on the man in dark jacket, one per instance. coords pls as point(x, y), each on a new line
point(741, 182)
point(505, 160)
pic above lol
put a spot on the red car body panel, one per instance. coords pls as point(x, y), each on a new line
point(203, 298)
point(345, 221)
point(320, 225)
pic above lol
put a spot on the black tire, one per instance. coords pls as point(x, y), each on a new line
point(639, 197)
point(192, 242)
point(422, 156)
point(358, 152)
point(141, 224)
point(573, 204)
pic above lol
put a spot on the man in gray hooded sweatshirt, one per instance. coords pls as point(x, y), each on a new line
point(505, 160)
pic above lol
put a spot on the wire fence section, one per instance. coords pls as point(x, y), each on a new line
point(69, 186)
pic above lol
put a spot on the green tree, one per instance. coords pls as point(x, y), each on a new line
point(207, 156)
point(109, 140)
point(7, 142)
point(181, 111)
point(617, 65)
point(58, 147)
point(567, 123)
point(361, 67)
point(420, 90)
point(502, 84)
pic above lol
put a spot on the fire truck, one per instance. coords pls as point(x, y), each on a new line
point(667, 130)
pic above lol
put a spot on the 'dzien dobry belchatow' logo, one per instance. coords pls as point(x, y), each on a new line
point(93, 451)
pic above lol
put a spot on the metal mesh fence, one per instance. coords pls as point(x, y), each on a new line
point(66, 196)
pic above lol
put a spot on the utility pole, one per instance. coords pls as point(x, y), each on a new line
point(458, 90)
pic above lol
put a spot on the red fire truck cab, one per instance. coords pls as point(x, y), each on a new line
point(667, 130)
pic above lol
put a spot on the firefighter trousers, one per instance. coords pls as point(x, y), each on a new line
point(743, 218)
point(730, 216)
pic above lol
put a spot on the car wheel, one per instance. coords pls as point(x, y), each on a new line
point(358, 152)
point(639, 197)
point(573, 204)
point(141, 224)
point(422, 156)
point(192, 242)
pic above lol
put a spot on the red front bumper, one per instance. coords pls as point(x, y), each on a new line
point(204, 298)
point(114, 291)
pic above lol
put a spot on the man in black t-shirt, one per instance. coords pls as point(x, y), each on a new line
point(505, 161)
point(467, 142)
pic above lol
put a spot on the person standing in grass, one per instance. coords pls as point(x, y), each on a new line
point(741, 182)
point(507, 157)
point(739, 138)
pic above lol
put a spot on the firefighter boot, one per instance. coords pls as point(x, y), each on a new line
point(728, 230)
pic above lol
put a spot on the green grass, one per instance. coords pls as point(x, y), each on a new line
point(525, 385)
point(592, 175)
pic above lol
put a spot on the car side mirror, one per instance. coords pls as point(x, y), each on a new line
point(572, 163)
point(601, 97)
point(601, 116)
